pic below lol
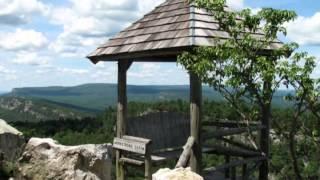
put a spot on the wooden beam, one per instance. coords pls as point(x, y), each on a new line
point(162, 55)
point(232, 151)
point(195, 117)
point(131, 161)
point(230, 124)
point(229, 132)
point(137, 139)
point(234, 164)
point(123, 66)
point(185, 156)
point(238, 144)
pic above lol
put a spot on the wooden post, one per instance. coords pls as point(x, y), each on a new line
point(233, 173)
point(195, 117)
point(244, 172)
point(227, 170)
point(264, 136)
point(121, 113)
point(148, 165)
point(185, 156)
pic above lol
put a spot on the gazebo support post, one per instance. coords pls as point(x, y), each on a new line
point(123, 67)
point(195, 118)
point(265, 135)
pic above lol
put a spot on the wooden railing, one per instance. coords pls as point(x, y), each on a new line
point(237, 154)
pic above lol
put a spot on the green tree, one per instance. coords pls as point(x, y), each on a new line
point(298, 75)
point(246, 67)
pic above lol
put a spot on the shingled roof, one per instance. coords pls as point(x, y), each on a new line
point(171, 28)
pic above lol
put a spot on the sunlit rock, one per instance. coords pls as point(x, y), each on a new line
point(11, 147)
point(176, 174)
point(46, 159)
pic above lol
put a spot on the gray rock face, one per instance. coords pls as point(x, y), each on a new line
point(11, 146)
point(46, 159)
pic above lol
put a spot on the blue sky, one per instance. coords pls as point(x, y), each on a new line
point(44, 43)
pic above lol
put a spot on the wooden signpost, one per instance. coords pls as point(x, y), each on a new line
point(135, 145)
point(130, 146)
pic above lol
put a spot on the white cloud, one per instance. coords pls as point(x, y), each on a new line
point(7, 74)
point(4, 70)
point(146, 5)
point(305, 30)
point(73, 71)
point(145, 70)
point(31, 58)
point(90, 23)
point(235, 4)
point(14, 12)
point(22, 40)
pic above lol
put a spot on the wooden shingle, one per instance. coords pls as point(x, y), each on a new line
point(164, 33)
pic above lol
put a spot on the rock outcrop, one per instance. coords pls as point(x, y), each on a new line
point(176, 174)
point(46, 159)
point(11, 146)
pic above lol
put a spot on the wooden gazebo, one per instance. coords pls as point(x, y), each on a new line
point(160, 36)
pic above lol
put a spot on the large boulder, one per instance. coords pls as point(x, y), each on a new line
point(46, 159)
point(176, 174)
point(11, 146)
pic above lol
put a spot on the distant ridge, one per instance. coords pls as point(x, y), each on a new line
point(96, 97)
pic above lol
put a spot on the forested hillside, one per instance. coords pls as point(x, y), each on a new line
point(33, 110)
point(101, 130)
point(99, 96)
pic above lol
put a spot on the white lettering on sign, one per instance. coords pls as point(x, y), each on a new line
point(131, 146)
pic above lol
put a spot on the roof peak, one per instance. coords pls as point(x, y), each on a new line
point(171, 28)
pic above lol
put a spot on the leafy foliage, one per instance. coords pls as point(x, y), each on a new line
point(248, 69)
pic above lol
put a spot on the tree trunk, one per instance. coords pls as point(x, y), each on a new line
point(292, 149)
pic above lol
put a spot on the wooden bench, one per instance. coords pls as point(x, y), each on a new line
point(141, 147)
point(153, 138)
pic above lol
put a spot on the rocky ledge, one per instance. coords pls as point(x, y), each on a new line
point(46, 159)
point(11, 146)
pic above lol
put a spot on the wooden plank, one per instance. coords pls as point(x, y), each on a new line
point(130, 146)
point(238, 144)
point(185, 156)
point(131, 161)
point(230, 132)
point(232, 151)
point(195, 118)
point(230, 124)
point(158, 158)
point(234, 164)
point(137, 139)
